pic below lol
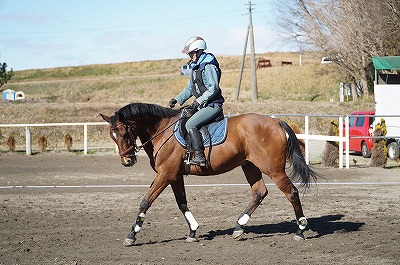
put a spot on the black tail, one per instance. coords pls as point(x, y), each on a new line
point(300, 170)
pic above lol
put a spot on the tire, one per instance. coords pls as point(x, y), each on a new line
point(366, 153)
point(393, 151)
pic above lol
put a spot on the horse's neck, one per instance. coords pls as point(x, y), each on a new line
point(155, 132)
point(148, 131)
point(151, 136)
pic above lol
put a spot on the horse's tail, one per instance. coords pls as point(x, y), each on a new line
point(300, 170)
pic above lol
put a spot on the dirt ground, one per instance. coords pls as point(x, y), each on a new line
point(73, 209)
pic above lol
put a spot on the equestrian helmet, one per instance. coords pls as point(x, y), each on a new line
point(193, 44)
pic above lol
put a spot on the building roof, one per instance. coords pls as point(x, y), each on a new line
point(386, 63)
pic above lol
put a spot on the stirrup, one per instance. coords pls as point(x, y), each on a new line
point(199, 162)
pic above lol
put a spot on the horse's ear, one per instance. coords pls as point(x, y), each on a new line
point(105, 117)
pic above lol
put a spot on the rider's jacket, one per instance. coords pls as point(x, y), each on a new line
point(204, 82)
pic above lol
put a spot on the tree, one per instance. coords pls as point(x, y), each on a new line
point(5, 75)
point(350, 31)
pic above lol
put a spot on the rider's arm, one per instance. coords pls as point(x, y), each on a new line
point(185, 94)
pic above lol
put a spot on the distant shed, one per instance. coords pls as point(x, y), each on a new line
point(10, 94)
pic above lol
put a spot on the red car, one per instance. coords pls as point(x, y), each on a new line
point(360, 124)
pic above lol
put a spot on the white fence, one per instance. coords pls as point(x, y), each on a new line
point(306, 136)
point(28, 134)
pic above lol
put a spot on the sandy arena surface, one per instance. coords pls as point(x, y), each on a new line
point(73, 209)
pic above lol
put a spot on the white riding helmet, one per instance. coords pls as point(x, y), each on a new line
point(193, 44)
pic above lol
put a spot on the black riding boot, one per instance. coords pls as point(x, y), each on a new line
point(197, 143)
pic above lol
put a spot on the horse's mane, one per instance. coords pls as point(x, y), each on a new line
point(146, 109)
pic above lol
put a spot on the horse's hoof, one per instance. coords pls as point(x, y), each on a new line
point(299, 237)
point(237, 233)
point(129, 242)
point(191, 239)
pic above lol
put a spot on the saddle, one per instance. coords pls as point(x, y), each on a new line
point(212, 134)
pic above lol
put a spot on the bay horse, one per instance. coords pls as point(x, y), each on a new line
point(257, 143)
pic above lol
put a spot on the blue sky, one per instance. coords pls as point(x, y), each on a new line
point(55, 33)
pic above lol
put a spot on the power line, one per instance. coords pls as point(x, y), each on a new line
point(187, 20)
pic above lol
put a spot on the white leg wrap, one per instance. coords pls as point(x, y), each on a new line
point(302, 222)
point(244, 219)
point(192, 222)
point(137, 227)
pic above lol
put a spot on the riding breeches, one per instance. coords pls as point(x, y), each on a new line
point(203, 116)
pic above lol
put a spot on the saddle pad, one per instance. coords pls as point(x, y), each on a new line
point(218, 131)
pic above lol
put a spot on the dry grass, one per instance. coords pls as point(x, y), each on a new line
point(79, 94)
point(158, 81)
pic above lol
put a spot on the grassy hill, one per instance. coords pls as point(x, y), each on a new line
point(158, 81)
point(78, 94)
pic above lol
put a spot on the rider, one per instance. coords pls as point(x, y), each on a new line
point(204, 86)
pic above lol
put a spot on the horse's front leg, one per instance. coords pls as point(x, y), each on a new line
point(158, 185)
point(180, 195)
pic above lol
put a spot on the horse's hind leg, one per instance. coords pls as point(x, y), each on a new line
point(258, 190)
point(178, 188)
point(283, 182)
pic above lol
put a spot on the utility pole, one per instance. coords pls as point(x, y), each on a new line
point(252, 60)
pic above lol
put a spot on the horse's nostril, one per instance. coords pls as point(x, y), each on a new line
point(128, 162)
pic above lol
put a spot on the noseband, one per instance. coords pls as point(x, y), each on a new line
point(133, 149)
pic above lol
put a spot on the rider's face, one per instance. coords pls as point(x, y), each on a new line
point(193, 56)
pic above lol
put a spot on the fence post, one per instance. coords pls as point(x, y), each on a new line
point(347, 131)
point(306, 141)
point(85, 140)
point(28, 140)
point(340, 142)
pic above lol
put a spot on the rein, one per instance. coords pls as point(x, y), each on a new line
point(155, 136)
point(138, 148)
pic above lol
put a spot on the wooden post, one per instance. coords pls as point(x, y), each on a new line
point(242, 66)
point(252, 58)
point(252, 61)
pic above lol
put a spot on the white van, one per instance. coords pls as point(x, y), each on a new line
point(185, 69)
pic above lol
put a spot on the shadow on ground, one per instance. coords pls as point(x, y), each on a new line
point(323, 225)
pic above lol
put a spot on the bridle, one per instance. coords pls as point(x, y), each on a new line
point(133, 149)
point(132, 137)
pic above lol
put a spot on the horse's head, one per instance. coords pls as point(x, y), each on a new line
point(125, 137)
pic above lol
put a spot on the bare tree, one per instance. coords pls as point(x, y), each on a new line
point(350, 31)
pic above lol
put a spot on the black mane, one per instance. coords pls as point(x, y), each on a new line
point(145, 109)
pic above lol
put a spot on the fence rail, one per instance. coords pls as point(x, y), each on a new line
point(343, 121)
point(28, 133)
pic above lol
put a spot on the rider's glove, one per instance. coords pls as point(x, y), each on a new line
point(195, 105)
point(172, 103)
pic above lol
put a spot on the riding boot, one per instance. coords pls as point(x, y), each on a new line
point(197, 143)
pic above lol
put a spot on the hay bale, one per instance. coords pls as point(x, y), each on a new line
point(379, 150)
point(11, 143)
point(42, 142)
point(68, 142)
point(330, 156)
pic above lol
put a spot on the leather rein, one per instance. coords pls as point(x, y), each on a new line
point(135, 148)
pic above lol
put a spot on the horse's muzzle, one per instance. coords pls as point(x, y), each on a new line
point(128, 161)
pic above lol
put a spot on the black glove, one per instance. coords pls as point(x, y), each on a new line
point(195, 105)
point(172, 103)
